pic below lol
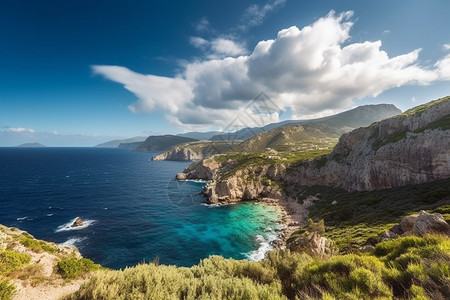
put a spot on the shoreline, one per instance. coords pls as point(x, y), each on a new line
point(293, 217)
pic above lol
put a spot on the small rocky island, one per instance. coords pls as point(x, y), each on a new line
point(78, 222)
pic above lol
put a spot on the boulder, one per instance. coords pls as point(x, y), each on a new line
point(430, 223)
point(388, 235)
point(313, 244)
point(78, 222)
point(181, 176)
point(407, 223)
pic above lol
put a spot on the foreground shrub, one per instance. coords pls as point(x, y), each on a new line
point(345, 277)
point(73, 268)
point(405, 268)
point(168, 282)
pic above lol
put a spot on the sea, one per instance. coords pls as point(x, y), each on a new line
point(134, 211)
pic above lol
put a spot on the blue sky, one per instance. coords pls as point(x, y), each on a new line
point(77, 73)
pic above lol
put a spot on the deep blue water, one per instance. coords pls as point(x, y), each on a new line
point(134, 209)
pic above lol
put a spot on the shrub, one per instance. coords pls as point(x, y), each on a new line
point(6, 289)
point(12, 260)
point(73, 268)
point(35, 245)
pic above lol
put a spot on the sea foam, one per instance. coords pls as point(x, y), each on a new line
point(68, 226)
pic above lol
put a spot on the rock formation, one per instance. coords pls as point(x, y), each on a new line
point(411, 148)
point(420, 225)
point(195, 150)
point(313, 244)
point(78, 222)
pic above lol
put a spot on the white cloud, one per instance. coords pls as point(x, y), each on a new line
point(198, 42)
point(313, 71)
point(446, 46)
point(19, 130)
point(255, 14)
point(222, 46)
point(218, 47)
point(443, 68)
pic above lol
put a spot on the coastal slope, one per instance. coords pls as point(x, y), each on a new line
point(162, 142)
point(195, 150)
point(411, 148)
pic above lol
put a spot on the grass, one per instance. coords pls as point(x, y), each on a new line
point(359, 217)
point(405, 268)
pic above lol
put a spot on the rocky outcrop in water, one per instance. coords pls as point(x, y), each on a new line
point(411, 148)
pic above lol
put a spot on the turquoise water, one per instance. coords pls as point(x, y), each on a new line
point(134, 209)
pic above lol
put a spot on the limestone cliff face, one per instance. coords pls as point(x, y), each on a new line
point(179, 154)
point(407, 149)
point(250, 183)
point(195, 150)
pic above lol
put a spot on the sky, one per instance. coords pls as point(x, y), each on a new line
point(78, 73)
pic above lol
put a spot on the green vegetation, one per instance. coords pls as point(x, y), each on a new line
point(443, 123)
point(10, 261)
point(6, 289)
point(359, 217)
point(421, 108)
point(35, 245)
point(405, 268)
point(71, 268)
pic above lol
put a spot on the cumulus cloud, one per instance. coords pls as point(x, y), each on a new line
point(313, 71)
point(255, 14)
point(446, 46)
point(218, 47)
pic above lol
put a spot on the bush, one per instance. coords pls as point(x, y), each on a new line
point(12, 260)
point(35, 245)
point(6, 289)
point(73, 268)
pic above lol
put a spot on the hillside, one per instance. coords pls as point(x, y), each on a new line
point(288, 138)
point(335, 124)
point(162, 142)
point(411, 148)
point(116, 143)
point(35, 269)
point(195, 150)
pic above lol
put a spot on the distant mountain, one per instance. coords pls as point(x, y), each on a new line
point(195, 150)
point(200, 135)
point(116, 143)
point(163, 142)
point(132, 146)
point(31, 145)
point(335, 124)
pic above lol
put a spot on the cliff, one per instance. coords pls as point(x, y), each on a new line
point(36, 269)
point(195, 150)
point(162, 142)
point(411, 148)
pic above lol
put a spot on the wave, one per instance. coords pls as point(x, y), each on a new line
point(265, 245)
point(68, 225)
point(20, 219)
point(72, 242)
